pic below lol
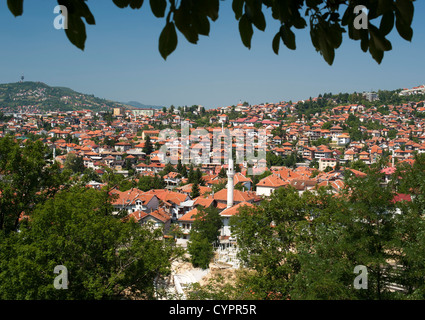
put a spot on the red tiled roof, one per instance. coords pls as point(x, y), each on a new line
point(234, 209)
point(401, 197)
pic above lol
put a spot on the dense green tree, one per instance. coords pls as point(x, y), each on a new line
point(109, 142)
point(147, 183)
point(324, 273)
point(112, 179)
point(201, 251)
point(167, 169)
point(411, 227)
point(219, 186)
point(274, 160)
point(104, 256)
point(291, 160)
point(108, 118)
point(181, 169)
point(158, 182)
point(191, 175)
point(148, 147)
point(26, 179)
point(321, 141)
point(4, 118)
point(90, 175)
point(126, 184)
point(314, 164)
point(257, 177)
point(222, 173)
point(74, 163)
point(359, 230)
point(307, 246)
point(327, 125)
point(208, 222)
point(195, 191)
point(359, 165)
point(267, 236)
point(328, 169)
point(203, 234)
point(198, 177)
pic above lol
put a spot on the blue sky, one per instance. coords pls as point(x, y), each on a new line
point(121, 60)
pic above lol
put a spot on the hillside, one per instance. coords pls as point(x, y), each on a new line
point(137, 104)
point(37, 96)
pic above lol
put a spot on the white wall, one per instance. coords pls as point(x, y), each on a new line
point(264, 191)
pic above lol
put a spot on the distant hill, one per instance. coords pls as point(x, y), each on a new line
point(30, 96)
point(137, 104)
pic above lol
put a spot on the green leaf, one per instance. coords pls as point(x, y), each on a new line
point(376, 53)
point(288, 37)
point(255, 15)
point(354, 33)
point(245, 31)
point(16, 7)
point(379, 39)
point(76, 31)
point(326, 50)
point(201, 24)
point(364, 43)
point(313, 3)
point(276, 43)
point(276, 11)
point(314, 38)
point(78, 9)
point(212, 8)
point(387, 22)
point(404, 30)
point(335, 35)
point(190, 34)
point(121, 3)
point(406, 9)
point(404, 17)
point(348, 17)
point(300, 23)
point(158, 7)
point(183, 21)
point(134, 4)
point(259, 21)
point(167, 40)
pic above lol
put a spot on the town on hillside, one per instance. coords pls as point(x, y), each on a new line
point(304, 150)
point(308, 144)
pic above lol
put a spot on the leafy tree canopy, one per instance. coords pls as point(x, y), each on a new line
point(104, 256)
point(26, 179)
point(327, 20)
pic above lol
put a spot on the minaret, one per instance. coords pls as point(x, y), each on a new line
point(230, 186)
point(392, 158)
